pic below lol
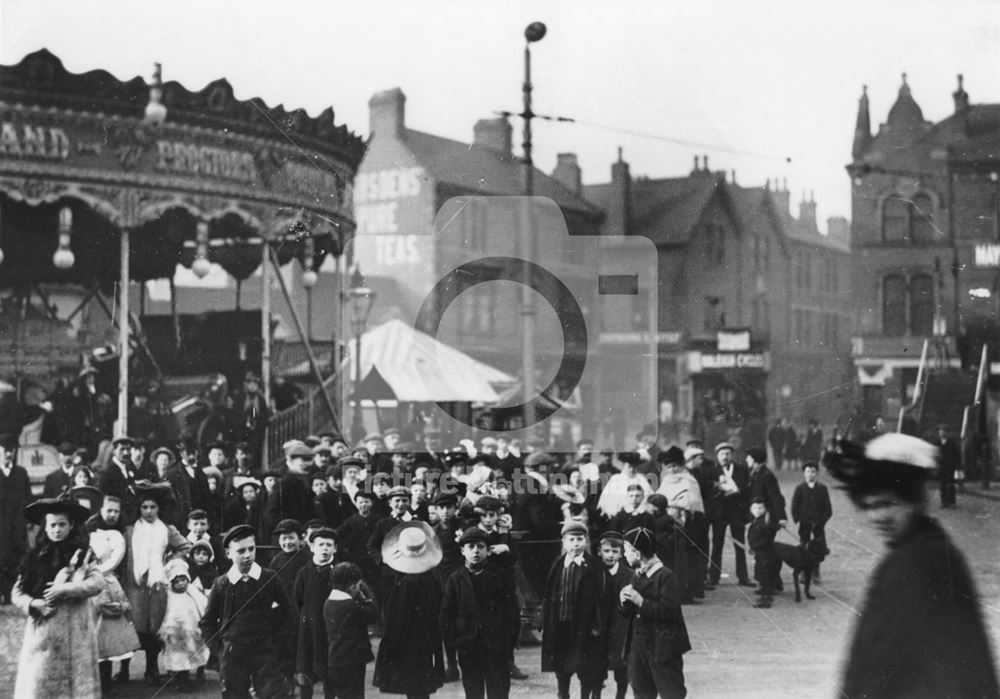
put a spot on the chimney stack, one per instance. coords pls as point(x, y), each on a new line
point(620, 202)
point(807, 214)
point(568, 173)
point(495, 134)
point(838, 228)
point(387, 113)
point(961, 97)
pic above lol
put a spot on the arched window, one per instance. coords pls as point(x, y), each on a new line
point(922, 304)
point(895, 220)
point(894, 306)
point(922, 220)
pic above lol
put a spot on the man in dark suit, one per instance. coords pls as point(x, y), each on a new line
point(62, 477)
point(481, 614)
point(15, 493)
point(763, 484)
point(118, 478)
point(729, 508)
point(292, 497)
point(189, 483)
point(950, 461)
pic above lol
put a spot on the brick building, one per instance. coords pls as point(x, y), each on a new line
point(926, 241)
point(753, 302)
point(405, 179)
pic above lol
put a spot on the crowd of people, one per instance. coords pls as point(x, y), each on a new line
point(277, 579)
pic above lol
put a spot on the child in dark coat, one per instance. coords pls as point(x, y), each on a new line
point(611, 545)
point(312, 587)
point(481, 613)
point(201, 564)
point(760, 539)
point(347, 612)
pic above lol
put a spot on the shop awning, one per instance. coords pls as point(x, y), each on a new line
point(416, 367)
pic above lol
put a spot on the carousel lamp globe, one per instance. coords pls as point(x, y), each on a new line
point(63, 258)
point(201, 267)
point(309, 278)
point(1, 256)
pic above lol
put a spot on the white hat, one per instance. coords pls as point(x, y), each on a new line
point(692, 452)
point(108, 546)
point(902, 449)
point(175, 568)
point(411, 547)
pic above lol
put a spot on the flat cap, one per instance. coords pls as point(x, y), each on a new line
point(240, 531)
point(758, 454)
point(573, 526)
point(472, 535)
point(723, 445)
point(288, 526)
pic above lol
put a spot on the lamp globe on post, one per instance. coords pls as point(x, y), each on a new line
point(361, 299)
point(64, 257)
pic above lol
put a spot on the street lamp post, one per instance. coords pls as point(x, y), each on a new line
point(361, 299)
point(532, 33)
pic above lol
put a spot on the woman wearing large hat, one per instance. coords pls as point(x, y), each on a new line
point(150, 543)
point(921, 632)
point(54, 584)
point(410, 658)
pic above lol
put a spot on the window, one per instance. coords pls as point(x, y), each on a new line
point(922, 304)
point(909, 220)
point(478, 311)
point(922, 220)
point(894, 306)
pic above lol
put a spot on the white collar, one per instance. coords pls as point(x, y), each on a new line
point(195, 538)
point(613, 570)
point(654, 565)
point(488, 531)
point(235, 575)
point(573, 559)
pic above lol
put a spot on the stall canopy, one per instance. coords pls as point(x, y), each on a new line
point(401, 363)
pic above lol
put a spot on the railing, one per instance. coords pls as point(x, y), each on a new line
point(305, 417)
point(918, 389)
point(971, 421)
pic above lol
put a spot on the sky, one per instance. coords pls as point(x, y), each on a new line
point(767, 88)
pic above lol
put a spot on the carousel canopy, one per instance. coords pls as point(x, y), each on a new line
point(190, 174)
point(416, 367)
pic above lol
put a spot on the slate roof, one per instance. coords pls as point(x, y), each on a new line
point(477, 169)
point(664, 210)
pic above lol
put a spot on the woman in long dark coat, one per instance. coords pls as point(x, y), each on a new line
point(921, 634)
point(410, 658)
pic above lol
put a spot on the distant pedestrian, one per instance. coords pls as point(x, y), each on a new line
point(776, 440)
point(951, 462)
point(921, 632)
point(15, 494)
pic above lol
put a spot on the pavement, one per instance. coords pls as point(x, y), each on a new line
point(790, 651)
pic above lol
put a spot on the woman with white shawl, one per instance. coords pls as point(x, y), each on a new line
point(151, 542)
point(614, 495)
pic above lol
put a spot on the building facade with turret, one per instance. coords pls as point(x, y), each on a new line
point(926, 243)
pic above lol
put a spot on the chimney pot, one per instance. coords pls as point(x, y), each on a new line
point(495, 134)
point(387, 113)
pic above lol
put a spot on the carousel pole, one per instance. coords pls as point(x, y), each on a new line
point(265, 326)
point(123, 335)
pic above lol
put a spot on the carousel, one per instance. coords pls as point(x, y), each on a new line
point(105, 185)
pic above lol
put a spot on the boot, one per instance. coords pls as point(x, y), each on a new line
point(104, 672)
point(153, 668)
point(122, 676)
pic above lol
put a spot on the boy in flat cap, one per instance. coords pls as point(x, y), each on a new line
point(312, 587)
point(448, 532)
point(575, 612)
point(481, 613)
point(659, 635)
point(760, 540)
point(399, 512)
point(292, 556)
point(249, 610)
point(921, 632)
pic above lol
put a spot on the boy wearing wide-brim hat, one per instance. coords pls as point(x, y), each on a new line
point(575, 613)
point(481, 614)
point(659, 635)
point(398, 499)
point(249, 612)
point(921, 633)
point(410, 659)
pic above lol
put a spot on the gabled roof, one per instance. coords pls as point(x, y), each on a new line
point(664, 210)
point(475, 169)
point(788, 227)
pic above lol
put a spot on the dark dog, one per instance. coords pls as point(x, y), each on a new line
point(804, 559)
